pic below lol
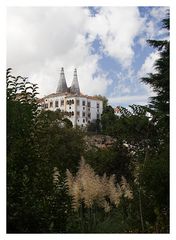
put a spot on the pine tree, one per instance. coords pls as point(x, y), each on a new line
point(155, 172)
point(160, 80)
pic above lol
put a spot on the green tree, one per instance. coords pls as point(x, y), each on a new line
point(114, 160)
point(156, 168)
point(21, 151)
point(102, 98)
point(58, 144)
point(39, 145)
point(94, 126)
point(159, 81)
point(108, 119)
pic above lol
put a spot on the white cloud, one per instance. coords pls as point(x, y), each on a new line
point(128, 100)
point(159, 12)
point(117, 29)
point(40, 33)
point(148, 65)
point(151, 28)
point(43, 33)
point(42, 40)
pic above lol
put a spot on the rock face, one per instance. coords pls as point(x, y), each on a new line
point(99, 141)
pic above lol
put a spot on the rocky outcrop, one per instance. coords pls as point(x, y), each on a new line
point(99, 141)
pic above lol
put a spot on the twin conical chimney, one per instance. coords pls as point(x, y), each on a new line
point(62, 85)
point(75, 85)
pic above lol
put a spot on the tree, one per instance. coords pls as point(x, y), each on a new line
point(39, 145)
point(156, 167)
point(108, 120)
point(94, 126)
point(102, 98)
point(160, 82)
point(21, 150)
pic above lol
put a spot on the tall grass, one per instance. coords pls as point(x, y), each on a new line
point(90, 192)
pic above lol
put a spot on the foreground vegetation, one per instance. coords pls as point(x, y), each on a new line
point(120, 189)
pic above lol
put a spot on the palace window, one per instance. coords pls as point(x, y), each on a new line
point(89, 115)
point(83, 120)
point(56, 104)
point(72, 113)
point(83, 114)
point(51, 104)
point(62, 102)
point(77, 102)
point(78, 114)
point(83, 103)
point(98, 115)
point(98, 105)
point(46, 105)
point(88, 104)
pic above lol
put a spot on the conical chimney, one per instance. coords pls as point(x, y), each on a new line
point(62, 85)
point(75, 85)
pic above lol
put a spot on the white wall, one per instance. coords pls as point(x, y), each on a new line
point(70, 105)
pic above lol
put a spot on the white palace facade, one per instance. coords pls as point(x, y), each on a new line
point(78, 108)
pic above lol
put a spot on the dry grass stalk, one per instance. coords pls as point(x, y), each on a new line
point(56, 176)
point(125, 187)
point(114, 193)
point(88, 188)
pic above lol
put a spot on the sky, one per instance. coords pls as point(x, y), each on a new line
point(107, 45)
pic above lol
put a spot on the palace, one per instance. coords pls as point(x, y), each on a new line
point(79, 109)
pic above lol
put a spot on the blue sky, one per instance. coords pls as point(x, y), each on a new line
point(106, 44)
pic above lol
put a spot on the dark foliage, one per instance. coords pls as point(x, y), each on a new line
point(37, 143)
